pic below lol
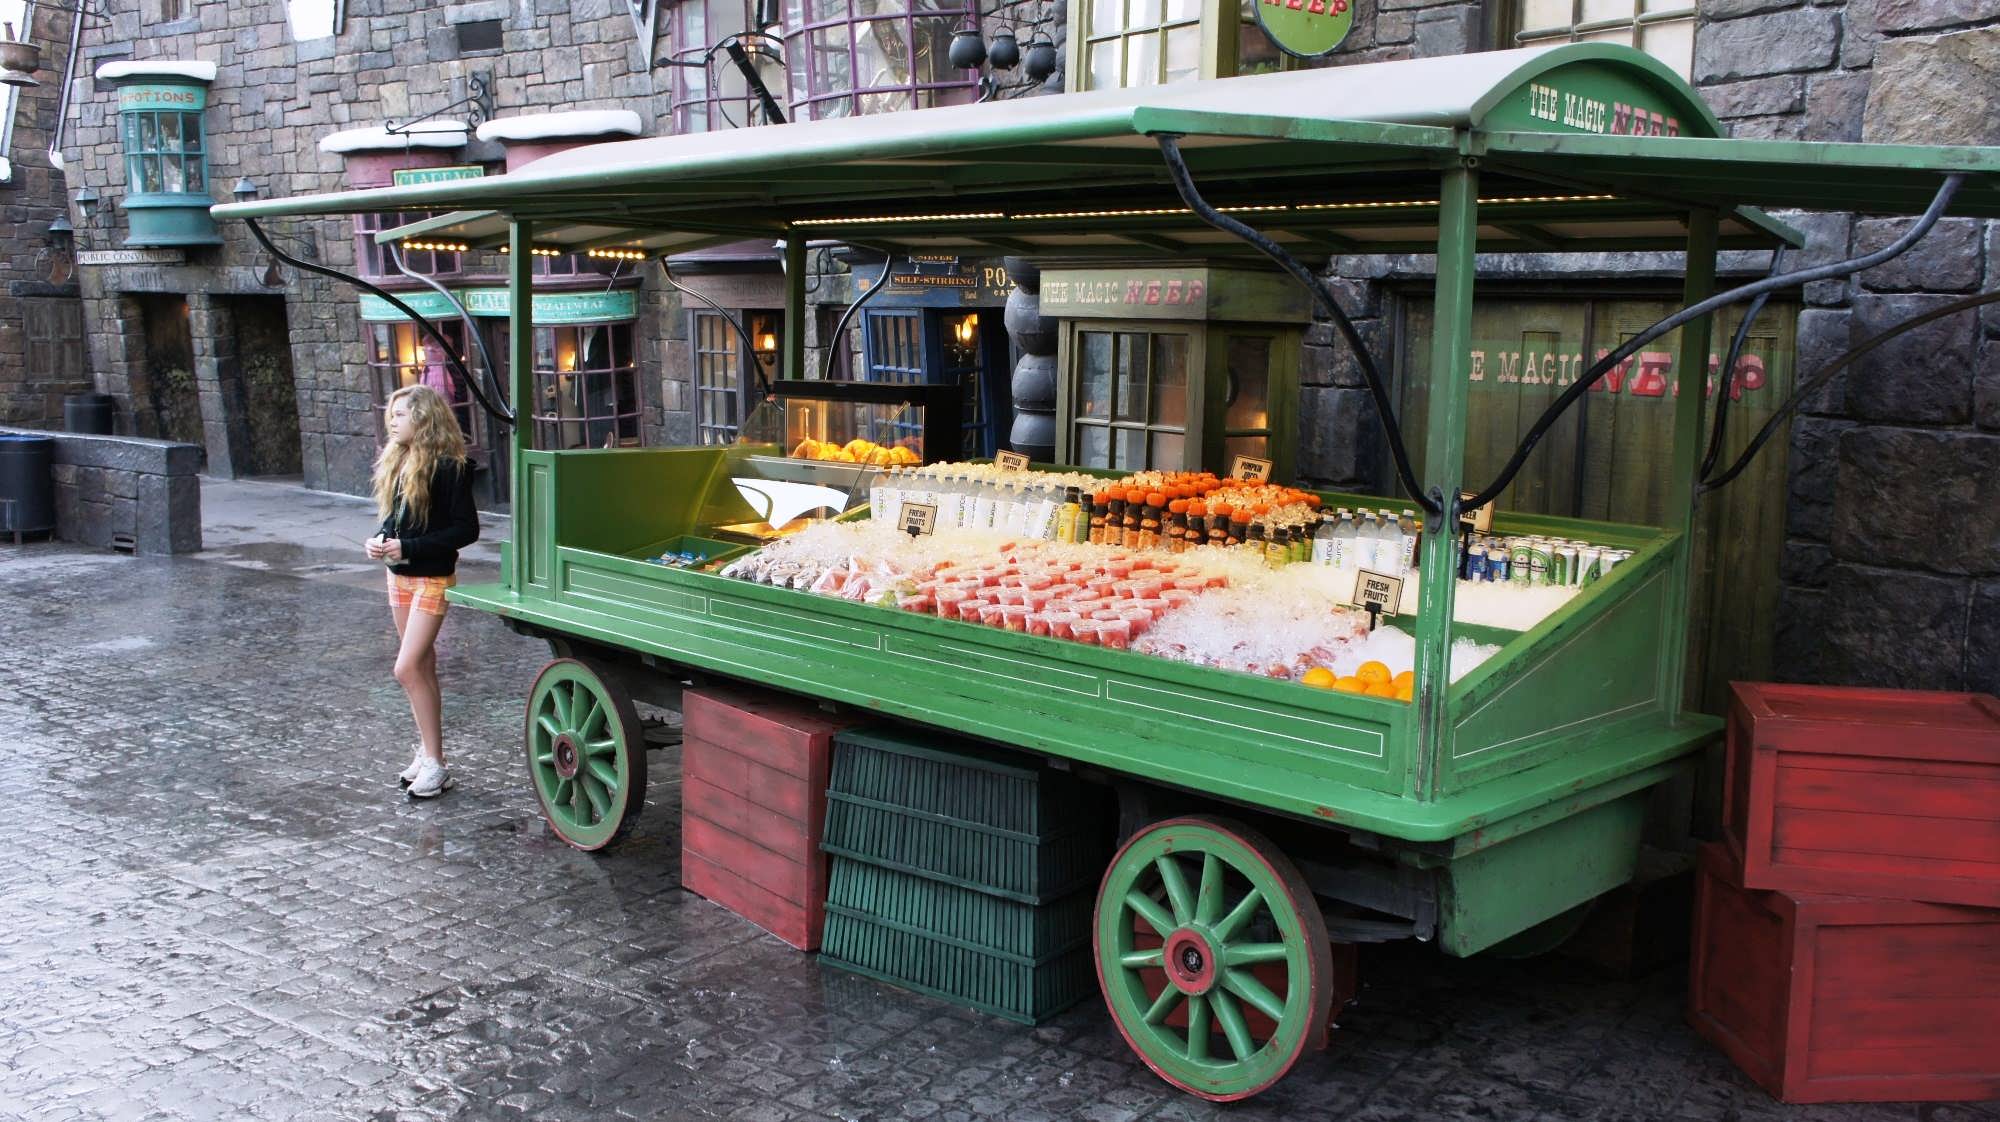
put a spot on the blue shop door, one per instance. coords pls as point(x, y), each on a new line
point(941, 347)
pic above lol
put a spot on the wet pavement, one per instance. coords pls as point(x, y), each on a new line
point(218, 906)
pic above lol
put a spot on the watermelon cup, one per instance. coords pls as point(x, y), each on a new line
point(1084, 630)
point(1059, 624)
point(969, 609)
point(1114, 633)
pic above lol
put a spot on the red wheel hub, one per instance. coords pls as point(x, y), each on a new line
point(567, 757)
point(1190, 961)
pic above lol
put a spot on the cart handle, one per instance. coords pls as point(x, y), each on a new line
point(1774, 283)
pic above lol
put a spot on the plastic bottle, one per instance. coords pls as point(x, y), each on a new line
point(1410, 529)
point(1066, 516)
point(1322, 539)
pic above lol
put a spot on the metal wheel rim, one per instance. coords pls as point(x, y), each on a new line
point(1237, 898)
point(580, 746)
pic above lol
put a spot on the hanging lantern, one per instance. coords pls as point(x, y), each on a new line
point(1040, 59)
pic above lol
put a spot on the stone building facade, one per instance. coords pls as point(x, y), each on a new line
point(41, 353)
point(1888, 524)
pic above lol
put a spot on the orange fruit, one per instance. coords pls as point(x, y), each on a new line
point(1407, 680)
point(1373, 671)
point(1381, 689)
point(1318, 676)
point(1406, 691)
point(1350, 685)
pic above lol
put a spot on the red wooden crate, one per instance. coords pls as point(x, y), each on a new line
point(1891, 793)
point(1846, 998)
point(754, 771)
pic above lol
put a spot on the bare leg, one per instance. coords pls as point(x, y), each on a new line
point(416, 669)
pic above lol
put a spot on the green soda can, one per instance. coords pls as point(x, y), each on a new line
point(1541, 558)
point(1519, 561)
point(1563, 570)
point(1590, 560)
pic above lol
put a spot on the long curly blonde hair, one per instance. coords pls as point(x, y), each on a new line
point(403, 470)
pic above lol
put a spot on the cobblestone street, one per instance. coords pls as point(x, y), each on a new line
point(217, 905)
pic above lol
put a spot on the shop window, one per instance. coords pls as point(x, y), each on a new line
point(841, 366)
point(850, 57)
point(1118, 44)
point(164, 153)
point(586, 387)
point(1130, 400)
point(722, 390)
point(1246, 401)
point(401, 355)
point(1661, 28)
point(480, 36)
point(709, 91)
point(373, 258)
point(895, 346)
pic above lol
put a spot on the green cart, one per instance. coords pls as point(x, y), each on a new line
point(1260, 819)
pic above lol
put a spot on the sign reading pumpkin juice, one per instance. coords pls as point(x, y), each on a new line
point(1306, 28)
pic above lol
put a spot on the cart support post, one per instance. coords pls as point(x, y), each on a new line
point(1690, 394)
point(1444, 469)
point(795, 305)
point(521, 375)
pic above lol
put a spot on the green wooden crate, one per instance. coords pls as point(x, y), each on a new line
point(959, 944)
point(963, 782)
point(967, 815)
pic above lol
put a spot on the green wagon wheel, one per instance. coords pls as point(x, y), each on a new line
point(1213, 956)
point(586, 754)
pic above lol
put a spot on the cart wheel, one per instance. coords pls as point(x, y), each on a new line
point(1213, 956)
point(586, 754)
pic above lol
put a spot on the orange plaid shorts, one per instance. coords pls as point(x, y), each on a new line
point(420, 594)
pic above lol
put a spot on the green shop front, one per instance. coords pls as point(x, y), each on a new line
point(1260, 816)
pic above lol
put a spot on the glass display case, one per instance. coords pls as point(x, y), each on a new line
point(810, 449)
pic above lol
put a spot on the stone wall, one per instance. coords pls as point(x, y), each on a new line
point(37, 269)
point(1892, 563)
point(126, 492)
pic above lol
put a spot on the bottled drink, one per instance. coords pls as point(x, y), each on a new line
point(1347, 542)
point(1323, 539)
point(1412, 531)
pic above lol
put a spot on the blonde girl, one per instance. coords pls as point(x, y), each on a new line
point(423, 491)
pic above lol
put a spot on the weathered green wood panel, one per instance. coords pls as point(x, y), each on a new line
point(1593, 663)
point(1506, 889)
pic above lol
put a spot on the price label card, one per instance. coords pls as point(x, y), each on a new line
point(1380, 589)
point(1478, 521)
point(1012, 461)
point(918, 519)
point(1250, 469)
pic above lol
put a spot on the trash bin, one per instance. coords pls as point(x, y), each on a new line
point(27, 485)
point(88, 413)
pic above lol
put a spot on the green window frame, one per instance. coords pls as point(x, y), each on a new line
point(166, 152)
point(1664, 29)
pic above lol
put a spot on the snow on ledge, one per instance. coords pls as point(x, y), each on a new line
point(126, 68)
point(377, 138)
point(549, 126)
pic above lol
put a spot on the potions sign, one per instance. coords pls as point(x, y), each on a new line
point(1306, 28)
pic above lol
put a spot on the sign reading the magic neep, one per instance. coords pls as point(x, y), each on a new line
point(1306, 28)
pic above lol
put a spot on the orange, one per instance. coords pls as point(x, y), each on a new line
point(1350, 685)
point(1406, 691)
point(1407, 680)
point(1373, 671)
point(1318, 676)
point(1381, 689)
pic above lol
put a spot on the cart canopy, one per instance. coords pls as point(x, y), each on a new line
point(1581, 147)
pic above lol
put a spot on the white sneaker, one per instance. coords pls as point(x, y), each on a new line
point(432, 780)
point(409, 774)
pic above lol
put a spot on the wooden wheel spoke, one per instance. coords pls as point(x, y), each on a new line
point(1233, 1027)
point(1238, 916)
point(1163, 1005)
point(603, 746)
point(548, 726)
point(592, 721)
point(559, 697)
point(1175, 882)
point(1198, 1027)
point(604, 773)
point(599, 802)
point(1249, 954)
point(545, 759)
point(1150, 910)
point(565, 790)
point(1208, 898)
point(1246, 986)
point(1140, 960)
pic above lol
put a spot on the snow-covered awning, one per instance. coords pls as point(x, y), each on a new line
point(575, 125)
point(377, 138)
point(197, 70)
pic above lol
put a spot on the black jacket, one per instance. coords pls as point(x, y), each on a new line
point(430, 547)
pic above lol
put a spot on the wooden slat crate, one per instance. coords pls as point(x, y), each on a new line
point(754, 769)
point(1891, 793)
point(1825, 998)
